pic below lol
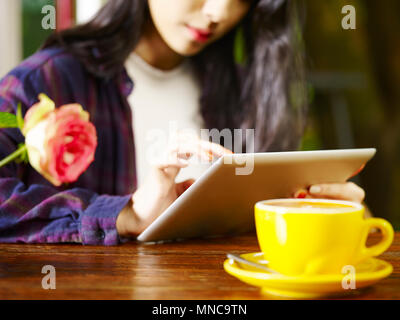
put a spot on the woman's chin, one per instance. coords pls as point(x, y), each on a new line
point(187, 48)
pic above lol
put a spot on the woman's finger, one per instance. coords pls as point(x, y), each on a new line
point(186, 145)
point(183, 186)
point(185, 155)
point(342, 191)
point(189, 150)
point(214, 149)
point(205, 150)
point(302, 194)
point(177, 163)
point(170, 169)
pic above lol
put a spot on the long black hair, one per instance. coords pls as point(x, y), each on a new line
point(265, 91)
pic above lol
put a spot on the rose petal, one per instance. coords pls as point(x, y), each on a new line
point(37, 113)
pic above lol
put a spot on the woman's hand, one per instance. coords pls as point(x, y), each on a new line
point(340, 191)
point(159, 190)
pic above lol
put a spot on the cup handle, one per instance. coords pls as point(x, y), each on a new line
point(387, 237)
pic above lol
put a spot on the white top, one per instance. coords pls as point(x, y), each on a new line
point(162, 103)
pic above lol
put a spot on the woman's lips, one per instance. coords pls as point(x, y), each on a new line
point(200, 35)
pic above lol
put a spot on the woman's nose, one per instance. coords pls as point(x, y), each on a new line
point(216, 10)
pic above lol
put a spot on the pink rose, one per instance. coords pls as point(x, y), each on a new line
point(61, 143)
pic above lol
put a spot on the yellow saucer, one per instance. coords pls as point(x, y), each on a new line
point(305, 287)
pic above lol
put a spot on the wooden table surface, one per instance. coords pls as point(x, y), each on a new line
point(187, 270)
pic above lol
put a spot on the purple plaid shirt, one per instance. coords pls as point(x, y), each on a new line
point(31, 209)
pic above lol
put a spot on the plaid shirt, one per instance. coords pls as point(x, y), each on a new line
point(31, 209)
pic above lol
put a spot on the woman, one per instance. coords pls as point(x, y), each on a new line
point(258, 87)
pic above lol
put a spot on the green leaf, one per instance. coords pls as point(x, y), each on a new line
point(8, 120)
point(20, 119)
point(240, 46)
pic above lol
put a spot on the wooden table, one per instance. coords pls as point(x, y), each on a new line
point(186, 270)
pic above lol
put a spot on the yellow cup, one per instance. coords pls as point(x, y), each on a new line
point(313, 236)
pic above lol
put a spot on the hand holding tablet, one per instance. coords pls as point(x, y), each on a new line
point(221, 201)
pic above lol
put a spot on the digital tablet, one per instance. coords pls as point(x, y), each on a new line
point(221, 202)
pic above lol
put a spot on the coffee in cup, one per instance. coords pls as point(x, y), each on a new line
point(316, 236)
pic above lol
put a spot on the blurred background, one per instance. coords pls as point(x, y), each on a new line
point(353, 76)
